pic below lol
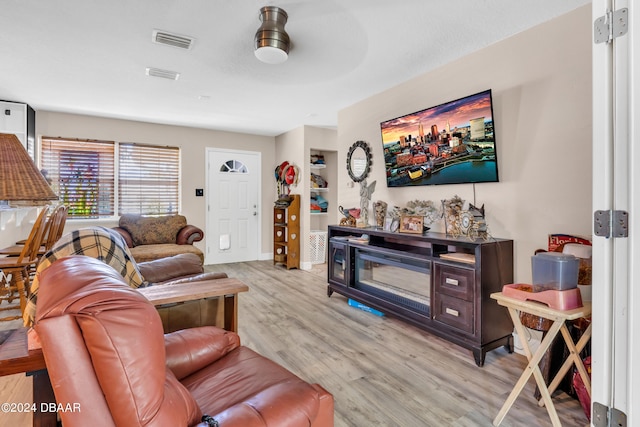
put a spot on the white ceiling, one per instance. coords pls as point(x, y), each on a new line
point(90, 56)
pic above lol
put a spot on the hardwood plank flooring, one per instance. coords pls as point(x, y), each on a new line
point(381, 371)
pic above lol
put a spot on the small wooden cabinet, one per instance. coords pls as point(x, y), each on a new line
point(438, 283)
point(286, 232)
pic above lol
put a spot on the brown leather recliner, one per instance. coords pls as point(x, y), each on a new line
point(111, 365)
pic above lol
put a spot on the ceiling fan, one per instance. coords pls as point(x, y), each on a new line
point(271, 39)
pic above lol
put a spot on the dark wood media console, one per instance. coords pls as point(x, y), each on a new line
point(438, 283)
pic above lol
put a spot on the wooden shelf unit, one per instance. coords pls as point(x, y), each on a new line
point(438, 283)
point(286, 234)
point(318, 190)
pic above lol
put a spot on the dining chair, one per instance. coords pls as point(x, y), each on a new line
point(54, 227)
point(58, 219)
point(14, 277)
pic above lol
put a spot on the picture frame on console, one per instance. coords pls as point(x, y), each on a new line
point(411, 224)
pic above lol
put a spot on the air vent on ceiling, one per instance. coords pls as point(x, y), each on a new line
point(175, 40)
point(165, 74)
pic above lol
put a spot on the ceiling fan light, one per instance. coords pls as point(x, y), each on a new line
point(271, 55)
point(271, 39)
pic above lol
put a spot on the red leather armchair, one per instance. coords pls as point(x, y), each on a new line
point(106, 355)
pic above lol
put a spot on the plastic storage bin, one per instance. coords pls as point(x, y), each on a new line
point(554, 271)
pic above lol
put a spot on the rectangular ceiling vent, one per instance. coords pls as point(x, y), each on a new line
point(175, 40)
point(165, 74)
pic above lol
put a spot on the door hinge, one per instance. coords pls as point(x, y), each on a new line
point(613, 24)
point(603, 416)
point(611, 223)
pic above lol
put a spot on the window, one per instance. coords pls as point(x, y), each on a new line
point(81, 173)
point(87, 177)
point(233, 166)
point(148, 179)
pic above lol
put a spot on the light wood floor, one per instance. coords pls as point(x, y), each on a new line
point(381, 371)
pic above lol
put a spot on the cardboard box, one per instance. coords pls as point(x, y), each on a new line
point(556, 240)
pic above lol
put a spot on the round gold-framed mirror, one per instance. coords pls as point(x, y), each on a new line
point(359, 161)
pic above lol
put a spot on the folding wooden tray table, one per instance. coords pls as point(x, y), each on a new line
point(559, 317)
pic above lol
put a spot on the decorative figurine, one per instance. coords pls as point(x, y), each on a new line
point(380, 211)
point(365, 198)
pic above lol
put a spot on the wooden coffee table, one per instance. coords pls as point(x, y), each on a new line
point(227, 288)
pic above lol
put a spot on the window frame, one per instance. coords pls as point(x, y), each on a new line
point(156, 153)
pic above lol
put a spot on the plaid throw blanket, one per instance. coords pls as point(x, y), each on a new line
point(101, 243)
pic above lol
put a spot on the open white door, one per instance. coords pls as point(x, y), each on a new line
point(616, 191)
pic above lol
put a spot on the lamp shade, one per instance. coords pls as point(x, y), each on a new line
point(271, 40)
point(20, 179)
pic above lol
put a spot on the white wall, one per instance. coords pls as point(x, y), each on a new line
point(193, 143)
point(295, 147)
point(541, 83)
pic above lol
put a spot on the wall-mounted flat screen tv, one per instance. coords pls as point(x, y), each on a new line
point(451, 143)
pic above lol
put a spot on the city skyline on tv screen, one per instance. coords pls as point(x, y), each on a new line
point(451, 143)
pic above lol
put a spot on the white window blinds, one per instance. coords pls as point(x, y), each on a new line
point(148, 179)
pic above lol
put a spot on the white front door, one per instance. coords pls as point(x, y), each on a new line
point(233, 211)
